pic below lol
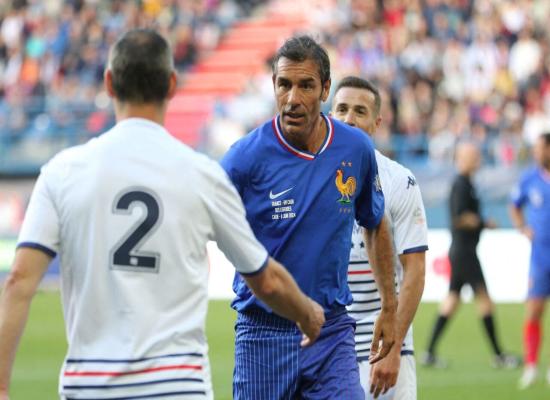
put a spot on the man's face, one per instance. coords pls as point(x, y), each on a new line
point(541, 153)
point(356, 107)
point(299, 93)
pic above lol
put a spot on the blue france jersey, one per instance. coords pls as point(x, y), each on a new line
point(302, 206)
point(533, 192)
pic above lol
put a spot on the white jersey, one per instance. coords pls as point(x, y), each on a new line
point(404, 211)
point(130, 214)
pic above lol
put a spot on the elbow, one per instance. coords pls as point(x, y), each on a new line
point(15, 285)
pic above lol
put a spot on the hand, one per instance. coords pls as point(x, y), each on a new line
point(490, 224)
point(383, 374)
point(384, 330)
point(4, 395)
point(471, 220)
point(312, 324)
point(527, 231)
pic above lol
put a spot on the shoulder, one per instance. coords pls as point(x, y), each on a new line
point(529, 175)
point(250, 144)
point(397, 181)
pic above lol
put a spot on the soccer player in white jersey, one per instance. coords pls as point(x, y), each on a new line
point(130, 214)
point(357, 102)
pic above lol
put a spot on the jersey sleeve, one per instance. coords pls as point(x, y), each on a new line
point(518, 196)
point(232, 231)
point(410, 230)
point(233, 164)
point(369, 205)
point(40, 229)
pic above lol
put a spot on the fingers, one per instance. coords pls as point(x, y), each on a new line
point(373, 357)
point(306, 341)
point(381, 381)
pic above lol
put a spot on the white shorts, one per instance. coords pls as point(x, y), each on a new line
point(404, 389)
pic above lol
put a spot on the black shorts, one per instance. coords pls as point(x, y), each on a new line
point(465, 269)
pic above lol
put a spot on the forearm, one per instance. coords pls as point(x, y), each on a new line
point(516, 215)
point(380, 253)
point(14, 308)
point(410, 294)
point(27, 271)
point(280, 292)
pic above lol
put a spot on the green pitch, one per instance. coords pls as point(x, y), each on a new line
point(469, 376)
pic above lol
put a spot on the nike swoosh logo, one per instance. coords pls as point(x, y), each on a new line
point(273, 196)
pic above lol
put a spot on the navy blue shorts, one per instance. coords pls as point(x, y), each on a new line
point(271, 365)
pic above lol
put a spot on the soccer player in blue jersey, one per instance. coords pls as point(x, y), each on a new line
point(304, 179)
point(533, 195)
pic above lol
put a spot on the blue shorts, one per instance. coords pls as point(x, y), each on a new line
point(539, 282)
point(271, 365)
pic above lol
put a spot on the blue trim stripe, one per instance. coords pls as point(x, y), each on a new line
point(144, 396)
point(259, 270)
point(366, 301)
point(358, 282)
point(127, 361)
point(125, 385)
point(37, 246)
point(358, 262)
point(418, 249)
point(365, 311)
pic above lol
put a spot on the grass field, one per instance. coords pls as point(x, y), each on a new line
point(469, 376)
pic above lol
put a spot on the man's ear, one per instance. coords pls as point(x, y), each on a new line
point(108, 83)
point(326, 90)
point(173, 85)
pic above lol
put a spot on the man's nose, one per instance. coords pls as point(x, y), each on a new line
point(350, 119)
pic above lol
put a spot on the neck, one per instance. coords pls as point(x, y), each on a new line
point(151, 111)
point(310, 141)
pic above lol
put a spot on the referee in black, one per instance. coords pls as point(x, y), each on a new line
point(466, 226)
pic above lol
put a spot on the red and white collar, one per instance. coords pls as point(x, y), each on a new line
point(300, 153)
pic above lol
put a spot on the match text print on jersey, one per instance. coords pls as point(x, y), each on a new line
point(273, 196)
point(126, 255)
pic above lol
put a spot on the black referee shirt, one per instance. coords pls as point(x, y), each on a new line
point(464, 198)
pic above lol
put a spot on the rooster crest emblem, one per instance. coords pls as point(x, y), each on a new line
point(347, 188)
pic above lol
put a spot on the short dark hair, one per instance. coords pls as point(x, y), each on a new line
point(302, 48)
point(546, 137)
point(141, 64)
point(360, 83)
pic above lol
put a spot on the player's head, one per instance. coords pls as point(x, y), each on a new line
point(541, 151)
point(140, 69)
point(301, 80)
point(357, 103)
point(467, 157)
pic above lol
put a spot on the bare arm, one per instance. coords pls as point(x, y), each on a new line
point(412, 287)
point(384, 373)
point(516, 215)
point(276, 287)
point(380, 251)
point(20, 286)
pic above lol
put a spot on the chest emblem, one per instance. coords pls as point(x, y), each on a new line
point(345, 187)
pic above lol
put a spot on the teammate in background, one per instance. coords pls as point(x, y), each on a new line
point(466, 225)
point(357, 103)
point(304, 179)
point(131, 213)
point(533, 192)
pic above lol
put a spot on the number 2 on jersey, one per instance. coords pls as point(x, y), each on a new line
point(126, 254)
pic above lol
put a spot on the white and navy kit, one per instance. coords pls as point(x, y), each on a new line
point(406, 216)
point(130, 214)
point(302, 208)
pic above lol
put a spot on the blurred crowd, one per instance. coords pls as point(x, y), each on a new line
point(447, 70)
point(52, 55)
